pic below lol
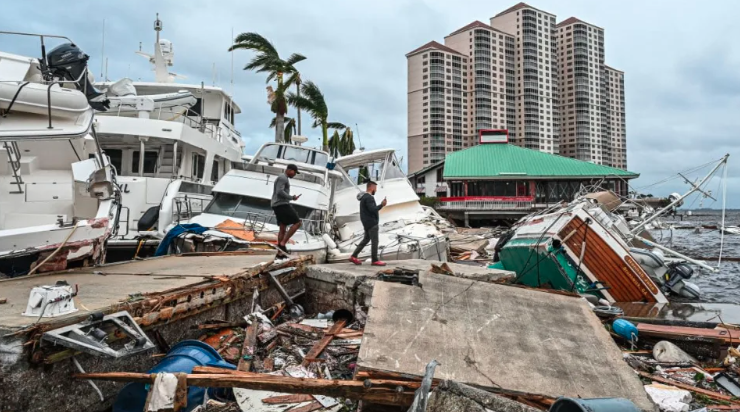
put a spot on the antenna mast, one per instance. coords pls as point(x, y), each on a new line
point(102, 52)
point(232, 65)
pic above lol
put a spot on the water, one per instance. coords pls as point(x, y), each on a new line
point(722, 287)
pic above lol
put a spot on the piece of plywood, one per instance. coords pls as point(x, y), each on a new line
point(495, 335)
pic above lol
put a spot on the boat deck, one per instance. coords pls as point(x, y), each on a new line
point(103, 286)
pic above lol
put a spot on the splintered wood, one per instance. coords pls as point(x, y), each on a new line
point(319, 347)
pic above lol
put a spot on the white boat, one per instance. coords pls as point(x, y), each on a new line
point(730, 230)
point(406, 230)
point(189, 141)
point(58, 197)
point(240, 213)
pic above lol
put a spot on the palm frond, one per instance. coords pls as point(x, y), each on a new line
point(335, 125)
point(255, 42)
point(294, 58)
point(312, 92)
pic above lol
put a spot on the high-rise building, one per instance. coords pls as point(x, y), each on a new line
point(546, 83)
point(436, 99)
point(582, 92)
point(490, 83)
point(614, 108)
point(536, 92)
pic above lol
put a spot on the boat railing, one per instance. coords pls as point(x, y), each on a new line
point(486, 205)
point(185, 207)
point(184, 117)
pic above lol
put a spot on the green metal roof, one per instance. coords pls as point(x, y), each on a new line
point(499, 161)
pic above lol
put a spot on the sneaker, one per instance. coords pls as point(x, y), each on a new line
point(355, 260)
point(378, 263)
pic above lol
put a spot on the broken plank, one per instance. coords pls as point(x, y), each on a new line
point(708, 393)
point(319, 347)
point(313, 406)
point(248, 348)
point(665, 331)
point(330, 387)
point(284, 399)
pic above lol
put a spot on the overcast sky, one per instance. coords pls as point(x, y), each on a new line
point(681, 60)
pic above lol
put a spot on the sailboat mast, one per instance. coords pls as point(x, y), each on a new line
point(695, 188)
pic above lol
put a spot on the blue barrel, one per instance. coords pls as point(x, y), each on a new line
point(624, 328)
point(183, 357)
point(594, 405)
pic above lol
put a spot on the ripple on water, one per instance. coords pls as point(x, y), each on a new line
point(722, 287)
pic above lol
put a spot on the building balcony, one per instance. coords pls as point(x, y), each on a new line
point(484, 203)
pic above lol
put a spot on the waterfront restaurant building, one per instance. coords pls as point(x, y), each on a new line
point(498, 180)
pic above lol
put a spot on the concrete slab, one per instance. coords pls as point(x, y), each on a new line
point(102, 286)
point(342, 285)
point(494, 335)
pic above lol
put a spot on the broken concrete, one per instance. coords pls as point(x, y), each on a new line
point(492, 335)
point(450, 396)
point(342, 285)
point(28, 364)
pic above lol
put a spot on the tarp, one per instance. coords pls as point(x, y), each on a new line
point(175, 232)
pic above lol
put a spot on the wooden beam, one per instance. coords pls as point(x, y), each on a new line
point(285, 399)
point(313, 354)
point(708, 393)
point(248, 348)
point(389, 393)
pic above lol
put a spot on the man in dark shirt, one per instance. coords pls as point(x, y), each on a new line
point(370, 219)
point(285, 215)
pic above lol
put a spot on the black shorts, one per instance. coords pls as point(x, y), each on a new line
point(285, 215)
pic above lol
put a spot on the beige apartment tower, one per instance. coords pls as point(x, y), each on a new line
point(546, 83)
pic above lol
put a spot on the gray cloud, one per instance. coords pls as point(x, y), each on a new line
point(682, 89)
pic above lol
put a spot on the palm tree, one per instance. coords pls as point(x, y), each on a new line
point(267, 60)
point(312, 101)
point(290, 127)
point(347, 146)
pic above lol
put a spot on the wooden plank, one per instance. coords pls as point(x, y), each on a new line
point(319, 347)
point(727, 336)
point(248, 348)
point(388, 394)
point(313, 406)
point(708, 393)
point(284, 399)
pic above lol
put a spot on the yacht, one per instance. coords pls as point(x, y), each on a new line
point(188, 139)
point(407, 230)
point(59, 201)
point(240, 214)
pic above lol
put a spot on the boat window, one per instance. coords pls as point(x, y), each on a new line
point(199, 166)
point(197, 108)
point(116, 159)
point(393, 171)
point(372, 171)
point(214, 171)
point(190, 187)
point(296, 154)
point(150, 162)
point(248, 207)
point(269, 152)
point(320, 159)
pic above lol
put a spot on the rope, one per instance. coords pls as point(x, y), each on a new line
point(54, 252)
point(12, 101)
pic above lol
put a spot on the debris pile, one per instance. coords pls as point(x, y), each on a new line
point(476, 245)
point(684, 368)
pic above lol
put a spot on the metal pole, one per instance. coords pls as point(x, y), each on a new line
point(696, 187)
point(674, 253)
point(141, 157)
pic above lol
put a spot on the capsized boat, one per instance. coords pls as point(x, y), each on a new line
point(406, 230)
point(585, 247)
point(59, 201)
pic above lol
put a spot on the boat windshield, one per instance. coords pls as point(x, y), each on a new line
point(359, 175)
point(294, 154)
point(246, 207)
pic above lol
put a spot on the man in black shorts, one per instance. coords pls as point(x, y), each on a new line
point(285, 215)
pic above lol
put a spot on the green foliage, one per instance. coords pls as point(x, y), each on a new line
point(429, 201)
point(313, 102)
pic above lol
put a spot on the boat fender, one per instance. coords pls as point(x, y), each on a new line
point(329, 241)
point(625, 329)
point(335, 252)
point(149, 219)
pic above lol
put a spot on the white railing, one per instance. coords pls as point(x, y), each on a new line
point(485, 205)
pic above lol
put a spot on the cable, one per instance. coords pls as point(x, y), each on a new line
point(724, 203)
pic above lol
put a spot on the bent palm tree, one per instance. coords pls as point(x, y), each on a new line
point(347, 146)
point(290, 127)
point(267, 60)
point(313, 102)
